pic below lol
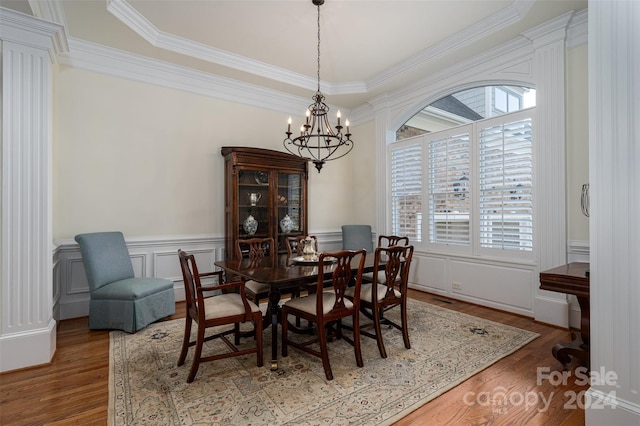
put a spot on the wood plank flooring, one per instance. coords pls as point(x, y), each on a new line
point(72, 390)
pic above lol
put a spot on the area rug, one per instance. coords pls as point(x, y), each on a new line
point(146, 387)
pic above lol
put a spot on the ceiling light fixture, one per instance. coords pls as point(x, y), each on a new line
point(318, 142)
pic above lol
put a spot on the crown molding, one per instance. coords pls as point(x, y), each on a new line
point(50, 10)
point(129, 16)
point(577, 33)
point(501, 19)
point(145, 29)
point(33, 32)
point(105, 60)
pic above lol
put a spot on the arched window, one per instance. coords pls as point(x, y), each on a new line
point(462, 173)
point(467, 106)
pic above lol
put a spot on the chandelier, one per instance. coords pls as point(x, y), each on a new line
point(318, 142)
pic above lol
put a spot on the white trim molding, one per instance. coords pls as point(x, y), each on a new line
point(536, 59)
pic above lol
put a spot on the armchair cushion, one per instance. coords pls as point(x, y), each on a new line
point(132, 288)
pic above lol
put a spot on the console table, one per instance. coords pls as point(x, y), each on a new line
point(572, 278)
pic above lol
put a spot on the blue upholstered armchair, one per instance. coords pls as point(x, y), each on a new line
point(118, 299)
point(355, 237)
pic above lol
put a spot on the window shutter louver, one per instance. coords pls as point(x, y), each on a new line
point(506, 175)
point(406, 191)
point(449, 190)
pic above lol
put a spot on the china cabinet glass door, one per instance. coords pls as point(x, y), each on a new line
point(253, 204)
point(290, 207)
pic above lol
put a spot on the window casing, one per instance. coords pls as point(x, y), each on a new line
point(473, 184)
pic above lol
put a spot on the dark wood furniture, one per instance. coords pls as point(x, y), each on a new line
point(252, 249)
point(215, 310)
point(281, 273)
point(386, 293)
point(573, 279)
point(268, 185)
point(386, 241)
point(392, 240)
point(328, 306)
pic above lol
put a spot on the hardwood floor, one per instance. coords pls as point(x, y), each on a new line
point(72, 390)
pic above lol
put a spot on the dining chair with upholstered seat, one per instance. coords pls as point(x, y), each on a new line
point(328, 307)
point(118, 299)
point(385, 241)
point(355, 237)
point(378, 297)
point(255, 249)
point(211, 308)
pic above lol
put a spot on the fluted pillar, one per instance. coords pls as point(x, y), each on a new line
point(551, 234)
point(27, 327)
point(614, 222)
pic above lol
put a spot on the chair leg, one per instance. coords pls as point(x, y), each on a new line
point(236, 334)
point(405, 329)
point(322, 340)
point(185, 341)
point(285, 330)
point(196, 355)
point(296, 293)
point(377, 318)
point(356, 339)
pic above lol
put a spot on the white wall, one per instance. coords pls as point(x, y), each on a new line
point(577, 141)
point(146, 159)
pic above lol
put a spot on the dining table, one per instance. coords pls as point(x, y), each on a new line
point(282, 273)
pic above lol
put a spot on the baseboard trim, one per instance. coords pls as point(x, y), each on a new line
point(605, 408)
point(552, 311)
point(25, 349)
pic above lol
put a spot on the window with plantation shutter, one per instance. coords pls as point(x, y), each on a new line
point(505, 178)
point(406, 191)
point(466, 164)
point(449, 196)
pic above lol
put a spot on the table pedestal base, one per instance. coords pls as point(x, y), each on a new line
point(576, 348)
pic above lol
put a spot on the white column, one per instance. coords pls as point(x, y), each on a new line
point(614, 223)
point(27, 327)
point(549, 150)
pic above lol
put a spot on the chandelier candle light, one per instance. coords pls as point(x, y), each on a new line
point(318, 142)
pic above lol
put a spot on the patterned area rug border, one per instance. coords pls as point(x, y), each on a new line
point(447, 347)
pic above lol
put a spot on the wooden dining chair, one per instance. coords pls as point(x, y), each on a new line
point(328, 307)
point(255, 249)
point(378, 297)
point(214, 310)
point(295, 246)
point(392, 240)
point(385, 241)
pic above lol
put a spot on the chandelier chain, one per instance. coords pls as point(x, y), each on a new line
point(318, 48)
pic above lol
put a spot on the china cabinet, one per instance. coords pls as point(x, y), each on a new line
point(265, 196)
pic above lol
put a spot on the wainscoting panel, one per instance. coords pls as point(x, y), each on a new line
point(429, 273)
point(150, 257)
point(506, 286)
point(498, 284)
